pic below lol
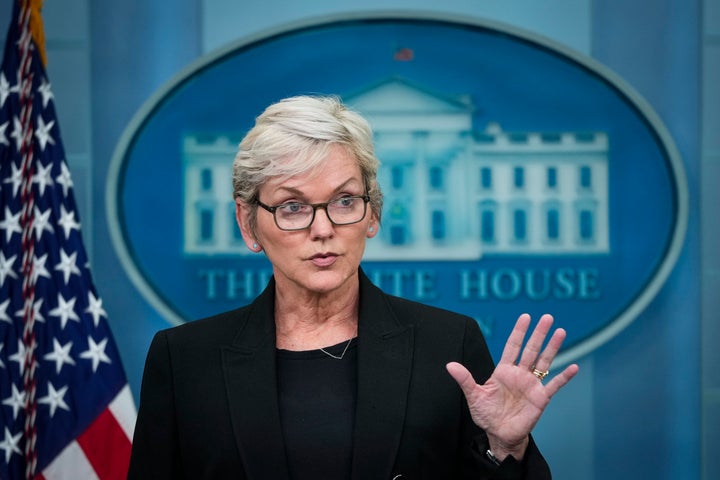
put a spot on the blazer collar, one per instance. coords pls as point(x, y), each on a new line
point(249, 368)
point(385, 351)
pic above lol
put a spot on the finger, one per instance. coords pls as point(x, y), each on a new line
point(561, 379)
point(462, 376)
point(532, 349)
point(515, 340)
point(551, 349)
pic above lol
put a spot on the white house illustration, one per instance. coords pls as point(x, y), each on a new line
point(451, 191)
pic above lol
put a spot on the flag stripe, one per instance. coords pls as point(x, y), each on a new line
point(123, 408)
point(71, 464)
point(102, 441)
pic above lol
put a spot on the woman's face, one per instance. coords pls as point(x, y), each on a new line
point(324, 257)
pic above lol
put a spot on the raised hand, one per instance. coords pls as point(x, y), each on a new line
point(512, 400)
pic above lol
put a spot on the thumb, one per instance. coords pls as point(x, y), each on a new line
point(462, 376)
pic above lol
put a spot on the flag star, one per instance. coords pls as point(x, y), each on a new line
point(3, 137)
point(67, 221)
point(65, 310)
point(3, 311)
point(41, 222)
point(10, 444)
point(2, 345)
point(16, 400)
point(11, 223)
point(55, 399)
point(67, 265)
point(42, 132)
point(19, 357)
point(45, 91)
point(36, 311)
point(5, 89)
point(39, 269)
point(60, 355)
point(6, 270)
point(96, 352)
point(64, 178)
point(15, 178)
point(95, 308)
point(17, 133)
point(43, 177)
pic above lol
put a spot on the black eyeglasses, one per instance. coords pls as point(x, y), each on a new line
point(299, 216)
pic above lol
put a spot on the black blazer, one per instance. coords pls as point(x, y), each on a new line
point(209, 402)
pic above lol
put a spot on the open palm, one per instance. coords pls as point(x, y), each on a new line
point(512, 400)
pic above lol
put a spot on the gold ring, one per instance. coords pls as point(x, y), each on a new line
point(540, 374)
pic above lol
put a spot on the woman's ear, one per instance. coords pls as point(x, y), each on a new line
point(373, 227)
point(242, 216)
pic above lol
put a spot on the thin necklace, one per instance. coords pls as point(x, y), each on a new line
point(336, 357)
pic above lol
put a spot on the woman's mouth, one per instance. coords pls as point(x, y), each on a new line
point(323, 259)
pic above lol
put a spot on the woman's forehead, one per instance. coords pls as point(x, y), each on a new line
point(336, 170)
point(331, 181)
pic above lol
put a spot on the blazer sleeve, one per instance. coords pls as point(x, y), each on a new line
point(477, 359)
point(155, 449)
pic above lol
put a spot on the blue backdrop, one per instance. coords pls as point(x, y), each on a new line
point(633, 412)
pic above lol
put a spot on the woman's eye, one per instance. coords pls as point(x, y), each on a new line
point(292, 207)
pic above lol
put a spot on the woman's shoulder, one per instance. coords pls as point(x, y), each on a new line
point(431, 318)
point(412, 312)
point(219, 326)
point(226, 324)
point(417, 309)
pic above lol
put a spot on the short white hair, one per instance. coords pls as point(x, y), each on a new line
point(294, 136)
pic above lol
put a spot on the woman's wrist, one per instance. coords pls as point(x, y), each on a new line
point(500, 450)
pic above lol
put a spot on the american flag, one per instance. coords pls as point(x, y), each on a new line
point(65, 407)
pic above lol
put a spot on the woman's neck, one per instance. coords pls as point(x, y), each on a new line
point(315, 320)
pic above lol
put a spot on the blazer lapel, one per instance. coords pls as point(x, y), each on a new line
point(250, 373)
point(385, 351)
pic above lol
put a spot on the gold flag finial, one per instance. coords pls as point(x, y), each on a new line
point(36, 26)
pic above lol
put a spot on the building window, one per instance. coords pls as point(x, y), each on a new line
point(206, 180)
point(399, 220)
point(519, 177)
point(488, 221)
point(487, 226)
point(520, 225)
point(207, 232)
point(587, 225)
point(436, 178)
point(552, 177)
point(486, 178)
point(397, 177)
point(438, 225)
point(397, 235)
point(553, 224)
point(585, 177)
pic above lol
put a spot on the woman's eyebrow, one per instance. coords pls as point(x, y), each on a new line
point(301, 193)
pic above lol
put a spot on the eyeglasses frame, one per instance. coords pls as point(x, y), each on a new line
point(273, 208)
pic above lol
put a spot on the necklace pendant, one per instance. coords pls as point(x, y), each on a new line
point(338, 357)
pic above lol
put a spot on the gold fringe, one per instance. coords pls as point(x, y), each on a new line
point(36, 26)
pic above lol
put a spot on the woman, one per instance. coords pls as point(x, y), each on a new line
point(324, 375)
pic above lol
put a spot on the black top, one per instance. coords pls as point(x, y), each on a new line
point(317, 395)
